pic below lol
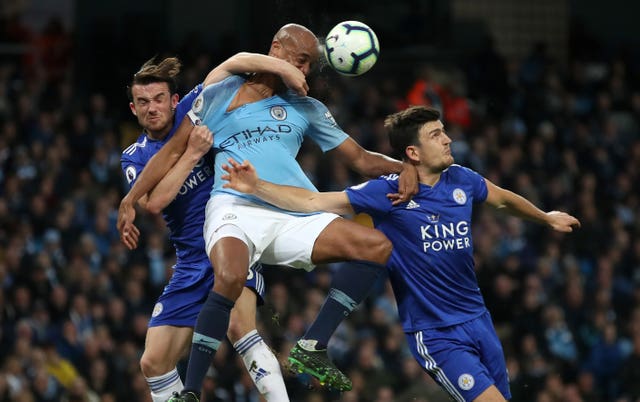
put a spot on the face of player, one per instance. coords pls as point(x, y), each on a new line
point(434, 150)
point(301, 50)
point(154, 105)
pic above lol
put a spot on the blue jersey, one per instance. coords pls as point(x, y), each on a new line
point(185, 214)
point(268, 132)
point(431, 267)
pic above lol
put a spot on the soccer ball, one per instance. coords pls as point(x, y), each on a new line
point(351, 48)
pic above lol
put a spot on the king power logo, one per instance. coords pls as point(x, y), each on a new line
point(445, 236)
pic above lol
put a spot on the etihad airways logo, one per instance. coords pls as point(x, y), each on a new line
point(255, 136)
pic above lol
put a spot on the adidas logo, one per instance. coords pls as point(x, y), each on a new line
point(259, 374)
point(412, 204)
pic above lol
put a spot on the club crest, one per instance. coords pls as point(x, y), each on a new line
point(278, 112)
point(459, 196)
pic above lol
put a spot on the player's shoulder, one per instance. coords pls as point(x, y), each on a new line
point(136, 151)
point(232, 81)
point(304, 101)
point(459, 172)
point(391, 178)
point(215, 94)
point(460, 175)
point(308, 106)
point(386, 182)
point(191, 95)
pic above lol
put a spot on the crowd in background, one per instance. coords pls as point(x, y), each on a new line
point(74, 302)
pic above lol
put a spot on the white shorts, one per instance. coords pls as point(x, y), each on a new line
point(273, 237)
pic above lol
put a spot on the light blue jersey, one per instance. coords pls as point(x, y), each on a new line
point(431, 267)
point(268, 132)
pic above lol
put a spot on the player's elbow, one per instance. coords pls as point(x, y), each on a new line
point(154, 206)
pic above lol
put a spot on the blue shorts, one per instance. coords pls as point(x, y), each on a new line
point(188, 288)
point(465, 359)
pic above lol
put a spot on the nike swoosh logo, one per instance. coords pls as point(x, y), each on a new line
point(205, 341)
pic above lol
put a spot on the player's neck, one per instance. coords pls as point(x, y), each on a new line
point(428, 177)
point(266, 85)
point(260, 90)
point(157, 135)
point(272, 82)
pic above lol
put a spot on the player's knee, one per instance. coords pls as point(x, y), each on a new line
point(152, 366)
point(238, 328)
point(231, 281)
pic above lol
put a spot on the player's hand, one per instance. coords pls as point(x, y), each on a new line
point(129, 233)
point(562, 221)
point(294, 79)
point(408, 185)
point(200, 140)
point(240, 177)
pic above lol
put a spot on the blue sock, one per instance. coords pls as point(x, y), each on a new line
point(211, 328)
point(350, 285)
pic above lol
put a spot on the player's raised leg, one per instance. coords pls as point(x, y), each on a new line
point(366, 250)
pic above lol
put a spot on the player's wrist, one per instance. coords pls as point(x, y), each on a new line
point(127, 201)
point(194, 155)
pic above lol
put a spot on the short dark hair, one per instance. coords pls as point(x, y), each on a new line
point(403, 127)
point(151, 71)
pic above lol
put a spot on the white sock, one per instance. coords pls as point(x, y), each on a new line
point(263, 367)
point(163, 386)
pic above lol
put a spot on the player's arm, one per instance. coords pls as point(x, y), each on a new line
point(161, 162)
point(244, 62)
point(150, 176)
point(199, 144)
point(373, 164)
point(243, 177)
point(519, 206)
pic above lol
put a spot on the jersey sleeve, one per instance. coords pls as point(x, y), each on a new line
point(370, 197)
point(186, 102)
point(214, 99)
point(478, 184)
point(132, 164)
point(323, 128)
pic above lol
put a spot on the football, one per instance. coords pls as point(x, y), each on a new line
point(351, 48)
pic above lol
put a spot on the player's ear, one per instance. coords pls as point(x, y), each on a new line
point(133, 109)
point(276, 46)
point(411, 153)
point(174, 101)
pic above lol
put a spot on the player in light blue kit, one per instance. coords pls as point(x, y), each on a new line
point(254, 117)
point(431, 267)
point(181, 197)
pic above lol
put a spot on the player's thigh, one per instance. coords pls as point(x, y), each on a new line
point(452, 361)
point(492, 353)
point(226, 240)
point(343, 240)
point(491, 394)
point(165, 345)
point(182, 298)
point(243, 315)
point(230, 221)
point(294, 238)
